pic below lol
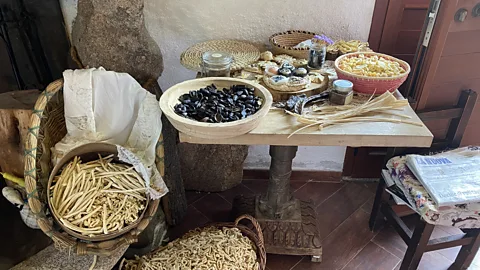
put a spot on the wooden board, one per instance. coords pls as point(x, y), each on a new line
point(276, 126)
point(15, 111)
point(313, 89)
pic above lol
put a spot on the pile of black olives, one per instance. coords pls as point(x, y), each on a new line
point(216, 106)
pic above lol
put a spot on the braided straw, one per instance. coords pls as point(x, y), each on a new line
point(283, 43)
point(47, 127)
point(243, 53)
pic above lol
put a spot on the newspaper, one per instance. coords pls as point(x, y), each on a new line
point(451, 177)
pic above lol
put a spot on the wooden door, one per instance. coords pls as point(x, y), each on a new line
point(404, 20)
point(396, 30)
point(451, 64)
point(448, 65)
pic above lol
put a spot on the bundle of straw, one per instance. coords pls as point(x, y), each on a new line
point(324, 116)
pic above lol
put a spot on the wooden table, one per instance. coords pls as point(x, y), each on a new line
point(290, 225)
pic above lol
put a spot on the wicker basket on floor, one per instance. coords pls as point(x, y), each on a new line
point(47, 127)
point(255, 235)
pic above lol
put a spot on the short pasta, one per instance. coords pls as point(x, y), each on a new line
point(202, 249)
point(371, 66)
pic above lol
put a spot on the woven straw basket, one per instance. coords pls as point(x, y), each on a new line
point(370, 85)
point(255, 235)
point(283, 43)
point(47, 127)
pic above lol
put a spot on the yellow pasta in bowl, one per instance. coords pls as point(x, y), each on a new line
point(372, 72)
point(371, 66)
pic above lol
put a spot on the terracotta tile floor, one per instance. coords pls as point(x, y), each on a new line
point(343, 210)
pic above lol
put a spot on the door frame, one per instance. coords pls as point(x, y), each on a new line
point(426, 59)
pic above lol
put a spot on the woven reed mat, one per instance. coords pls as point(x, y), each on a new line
point(243, 52)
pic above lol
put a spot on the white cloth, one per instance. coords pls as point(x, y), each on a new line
point(106, 106)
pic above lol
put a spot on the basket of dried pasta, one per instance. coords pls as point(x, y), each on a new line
point(93, 195)
point(218, 246)
point(372, 72)
point(47, 128)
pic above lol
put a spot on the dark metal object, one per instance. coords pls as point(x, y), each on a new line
point(8, 45)
point(461, 15)
point(288, 224)
point(18, 20)
point(296, 104)
point(476, 10)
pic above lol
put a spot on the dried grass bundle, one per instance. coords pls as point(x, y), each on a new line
point(324, 116)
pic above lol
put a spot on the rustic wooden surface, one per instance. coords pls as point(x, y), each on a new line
point(276, 126)
point(15, 111)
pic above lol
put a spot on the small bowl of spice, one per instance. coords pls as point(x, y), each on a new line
point(216, 107)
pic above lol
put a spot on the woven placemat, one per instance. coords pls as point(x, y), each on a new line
point(244, 53)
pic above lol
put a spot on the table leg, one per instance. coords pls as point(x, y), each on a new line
point(288, 224)
point(278, 202)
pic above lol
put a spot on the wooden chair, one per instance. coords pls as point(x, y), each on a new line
point(419, 240)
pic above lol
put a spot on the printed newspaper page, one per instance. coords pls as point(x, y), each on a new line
point(451, 177)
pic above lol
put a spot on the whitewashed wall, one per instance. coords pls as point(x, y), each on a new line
point(177, 24)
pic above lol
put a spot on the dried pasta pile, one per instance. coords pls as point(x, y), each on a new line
point(97, 197)
point(203, 249)
point(370, 111)
point(371, 66)
point(348, 46)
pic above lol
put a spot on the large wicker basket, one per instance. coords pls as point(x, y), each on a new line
point(283, 43)
point(255, 235)
point(47, 127)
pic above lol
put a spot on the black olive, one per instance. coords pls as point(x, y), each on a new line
point(215, 106)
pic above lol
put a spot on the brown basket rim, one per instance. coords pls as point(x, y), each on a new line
point(38, 208)
point(274, 42)
point(366, 78)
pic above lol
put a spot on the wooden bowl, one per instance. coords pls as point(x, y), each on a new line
point(213, 130)
point(89, 152)
point(370, 85)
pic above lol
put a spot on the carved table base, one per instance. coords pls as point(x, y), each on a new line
point(289, 225)
point(296, 236)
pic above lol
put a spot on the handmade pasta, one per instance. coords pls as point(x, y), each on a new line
point(371, 66)
point(97, 197)
point(203, 249)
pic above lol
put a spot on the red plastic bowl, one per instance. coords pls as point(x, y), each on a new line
point(370, 85)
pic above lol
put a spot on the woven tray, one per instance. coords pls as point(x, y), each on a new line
point(244, 53)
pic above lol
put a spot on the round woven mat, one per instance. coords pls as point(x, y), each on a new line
point(243, 53)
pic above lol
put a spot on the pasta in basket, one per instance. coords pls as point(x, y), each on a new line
point(209, 248)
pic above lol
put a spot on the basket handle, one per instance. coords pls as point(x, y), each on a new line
point(258, 231)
